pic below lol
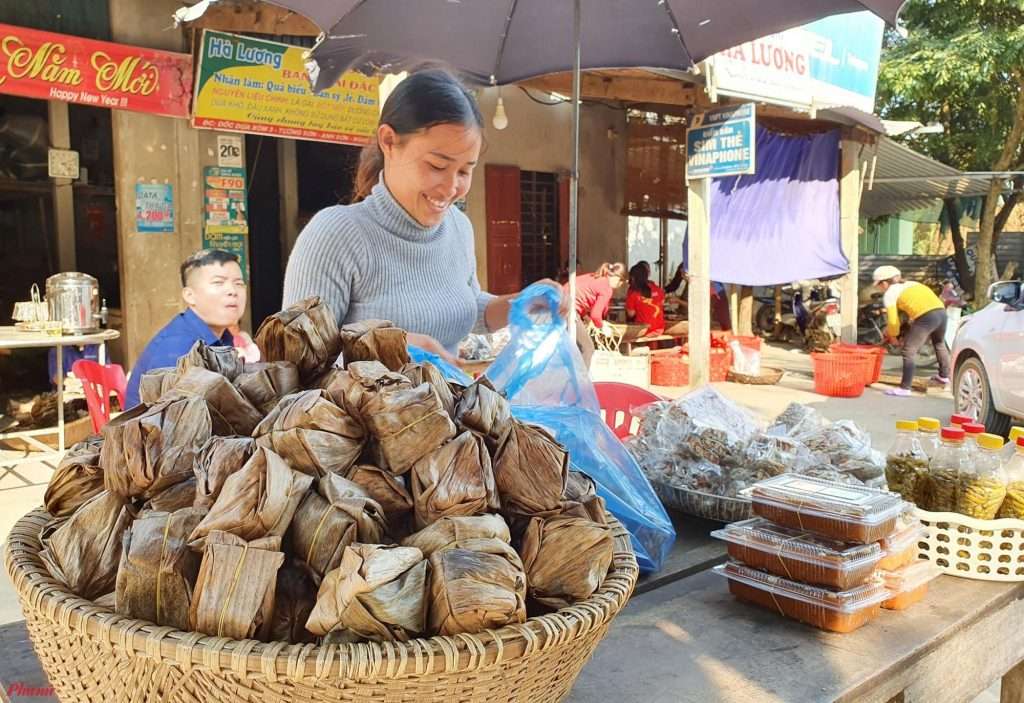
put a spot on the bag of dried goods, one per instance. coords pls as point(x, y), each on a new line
point(77, 478)
point(338, 513)
point(145, 450)
point(83, 551)
point(219, 458)
point(236, 586)
point(158, 570)
point(312, 434)
point(455, 479)
point(377, 593)
point(257, 501)
point(477, 585)
point(566, 559)
point(305, 334)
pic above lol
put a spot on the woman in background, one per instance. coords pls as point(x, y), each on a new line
point(645, 301)
point(593, 297)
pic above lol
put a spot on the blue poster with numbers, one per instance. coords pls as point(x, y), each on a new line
point(154, 207)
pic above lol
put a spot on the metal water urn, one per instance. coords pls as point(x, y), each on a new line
point(74, 300)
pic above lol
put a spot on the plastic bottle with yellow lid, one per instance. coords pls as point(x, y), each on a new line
point(906, 460)
point(1013, 503)
point(983, 483)
point(1010, 449)
point(928, 434)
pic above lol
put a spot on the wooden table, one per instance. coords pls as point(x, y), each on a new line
point(690, 641)
point(15, 338)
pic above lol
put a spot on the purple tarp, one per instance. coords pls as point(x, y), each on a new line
point(782, 223)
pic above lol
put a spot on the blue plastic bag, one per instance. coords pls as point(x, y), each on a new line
point(544, 377)
point(451, 373)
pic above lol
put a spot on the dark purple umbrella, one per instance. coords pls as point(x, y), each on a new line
point(503, 41)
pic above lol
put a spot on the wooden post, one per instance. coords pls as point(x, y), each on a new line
point(849, 223)
point(288, 185)
point(777, 328)
point(734, 308)
point(699, 288)
point(746, 313)
point(63, 193)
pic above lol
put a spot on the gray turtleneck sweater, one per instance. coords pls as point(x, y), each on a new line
point(372, 260)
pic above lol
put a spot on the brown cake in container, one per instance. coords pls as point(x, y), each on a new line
point(843, 512)
point(800, 555)
point(834, 611)
point(909, 584)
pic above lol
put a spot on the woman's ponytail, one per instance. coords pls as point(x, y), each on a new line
point(371, 163)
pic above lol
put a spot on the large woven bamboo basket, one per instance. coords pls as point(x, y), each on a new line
point(92, 654)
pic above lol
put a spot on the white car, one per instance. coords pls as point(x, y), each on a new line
point(988, 360)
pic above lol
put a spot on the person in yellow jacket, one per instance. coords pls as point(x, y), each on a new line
point(927, 315)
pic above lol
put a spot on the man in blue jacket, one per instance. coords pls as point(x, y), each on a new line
point(214, 290)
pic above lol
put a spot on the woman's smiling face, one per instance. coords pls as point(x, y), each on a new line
point(429, 170)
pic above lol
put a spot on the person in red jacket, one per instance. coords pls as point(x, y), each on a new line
point(645, 301)
point(593, 297)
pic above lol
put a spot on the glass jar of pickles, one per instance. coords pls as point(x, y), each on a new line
point(906, 460)
point(1013, 503)
point(983, 483)
point(938, 489)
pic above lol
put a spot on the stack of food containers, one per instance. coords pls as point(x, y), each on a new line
point(815, 551)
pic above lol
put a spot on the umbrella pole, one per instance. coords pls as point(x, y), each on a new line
point(574, 174)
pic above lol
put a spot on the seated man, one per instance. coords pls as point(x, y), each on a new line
point(214, 290)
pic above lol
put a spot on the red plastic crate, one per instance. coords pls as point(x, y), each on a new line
point(841, 375)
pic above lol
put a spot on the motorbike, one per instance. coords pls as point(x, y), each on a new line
point(811, 315)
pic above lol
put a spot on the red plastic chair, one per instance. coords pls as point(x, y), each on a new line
point(97, 383)
point(616, 399)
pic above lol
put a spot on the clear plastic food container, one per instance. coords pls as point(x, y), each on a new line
point(835, 611)
point(800, 555)
point(900, 548)
point(909, 584)
point(837, 510)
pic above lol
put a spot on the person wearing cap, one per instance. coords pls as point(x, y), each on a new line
point(927, 315)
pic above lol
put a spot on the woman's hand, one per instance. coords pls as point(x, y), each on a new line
point(564, 304)
point(429, 344)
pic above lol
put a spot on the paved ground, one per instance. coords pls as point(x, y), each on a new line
point(23, 489)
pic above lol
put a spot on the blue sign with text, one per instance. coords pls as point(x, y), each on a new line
point(721, 143)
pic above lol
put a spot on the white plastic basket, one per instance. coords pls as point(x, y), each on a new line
point(987, 550)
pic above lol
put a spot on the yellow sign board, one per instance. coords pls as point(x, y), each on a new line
point(261, 87)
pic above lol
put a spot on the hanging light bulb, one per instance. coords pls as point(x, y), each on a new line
point(500, 120)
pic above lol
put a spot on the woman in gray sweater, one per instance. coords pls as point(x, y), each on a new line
point(401, 252)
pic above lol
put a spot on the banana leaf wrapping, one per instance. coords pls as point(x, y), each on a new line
point(312, 434)
point(391, 494)
point(235, 589)
point(176, 497)
point(83, 551)
point(147, 449)
point(219, 458)
point(107, 601)
point(377, 593)
point(294, 599)
point(230, 412)
point(354, 387)
point(566, 559)
point(374, 340)
point(158, 570)
point(478, 584)
point(454, 480)
point(408, 424)
point(328, 377)
point(257, 501)
point(449, 530)
point(265, 383)
point(77, 479)
point(484, 410)
point(428, 373)
point(336, 515)
point(531, 469)
point(305, 334)
point(581, 499)
point(154, 383)
point(220, 359)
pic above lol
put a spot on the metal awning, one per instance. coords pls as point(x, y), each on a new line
point(906, 180)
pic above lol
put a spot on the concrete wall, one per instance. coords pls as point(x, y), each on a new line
point(151, 149)
point(539, 138)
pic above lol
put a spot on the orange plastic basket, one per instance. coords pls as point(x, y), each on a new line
point(841, 375)
point(877, 355)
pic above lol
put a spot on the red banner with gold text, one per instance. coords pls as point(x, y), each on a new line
point(51, 66)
